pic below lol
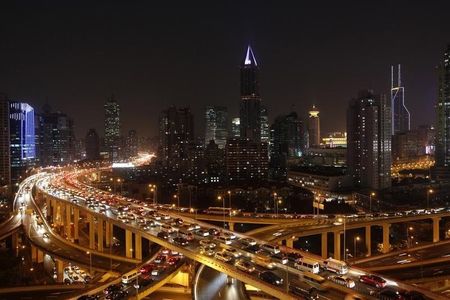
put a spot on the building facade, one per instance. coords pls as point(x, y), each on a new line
point(265, 131)
point(176, 132)
point(22, 139)
point(5, 162)
point(314, 127)
point(112, 128)
point(216, 125)
point(369, 132)
point(250, 107)
point(92, 145)
point(246, 160)
point(443, 113)
point(236, 127)
point(132, 144)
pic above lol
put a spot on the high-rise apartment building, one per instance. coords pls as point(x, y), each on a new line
point(132, 144)
point(314, 127)
point(216, 125)
point(401, 118)
point(443, 114)
point(56, 138)
point(246, 160)
point(250, 108)
point(369, 132)
point(265, 132)
point(5, 162)
point(112, 128)
point(176, 131)
point(92, 145)
point(22, 139)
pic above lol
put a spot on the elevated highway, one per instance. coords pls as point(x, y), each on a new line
point(47, 190)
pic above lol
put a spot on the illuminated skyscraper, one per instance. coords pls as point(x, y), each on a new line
point(56, 138)
point(132, 144)
point(5, 163)
point(369, 135)
point(22, 137)
point(401, 117)
point(216, 125)
point(265, 133)
point(443, 114)
point(236, 127)
point(112, 128)
point(250, 108)
point(314, 127)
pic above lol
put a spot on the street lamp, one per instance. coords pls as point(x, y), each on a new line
point(372, 194)
point(177, 199)
point(274, 201)
point(223, 200)
point(408, 236)
point(90, 262)
point(229, 200)
point(429, 191)
point(356, 239)
point(153, 188)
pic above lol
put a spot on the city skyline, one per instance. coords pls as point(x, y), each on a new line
point(296, 71)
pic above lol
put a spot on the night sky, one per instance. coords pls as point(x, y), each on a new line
point(75, 54)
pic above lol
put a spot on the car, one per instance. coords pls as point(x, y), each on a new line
point(117, 295)
point(207, 251)
point(213, 231)
point(390, 294)
point(147, 280)
point(207, 244)
point(233, 252)
point(173, 260)
point(163, 235)
point(244, 265)
point(341, 280)
point(158, 270)
point(160, 259)
point(282, 257)
point(270, 277)
point(180, 241)
point(222, 256)
point(373, 280)
point(147, 268)
point(112, 288)
point(202, 232)
point(248, 241)
point(86, 297)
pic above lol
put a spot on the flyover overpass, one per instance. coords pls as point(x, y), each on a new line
point(52, 196)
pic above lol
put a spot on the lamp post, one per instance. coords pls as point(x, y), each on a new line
point(90, 262)
point(177, 199)
point(274, 201)
point(408, 236)
point(429, 191)
point(153, 188)
point(372, 194)
point(356, 239)
point(229, 201)
point(223, 200)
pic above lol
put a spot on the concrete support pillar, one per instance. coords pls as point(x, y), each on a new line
point(100, 234)
point(108, 233)
point(386, 242)
point(128, 244)
point(324, 236)
point(91, 231)
point(76, 219)
point(54, 211)
point(37, 256)
point(59, 270)
point(48, 206)
point(68, 221)
point(436, 229)
point(231, 226)
point(337, 245)
point(368, 240)
point(138, 245)
point(290, 243)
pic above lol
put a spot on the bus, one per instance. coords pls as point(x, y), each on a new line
point(222, 211)
point(308, 264)
point(336, 266)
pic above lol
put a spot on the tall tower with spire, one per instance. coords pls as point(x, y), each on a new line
point(400, 114)
point(250, 108)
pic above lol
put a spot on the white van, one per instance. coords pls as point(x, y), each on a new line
point(271, 248)
point(130, 277)
point(308, 264)
point(336, 266)
point(224, 239)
